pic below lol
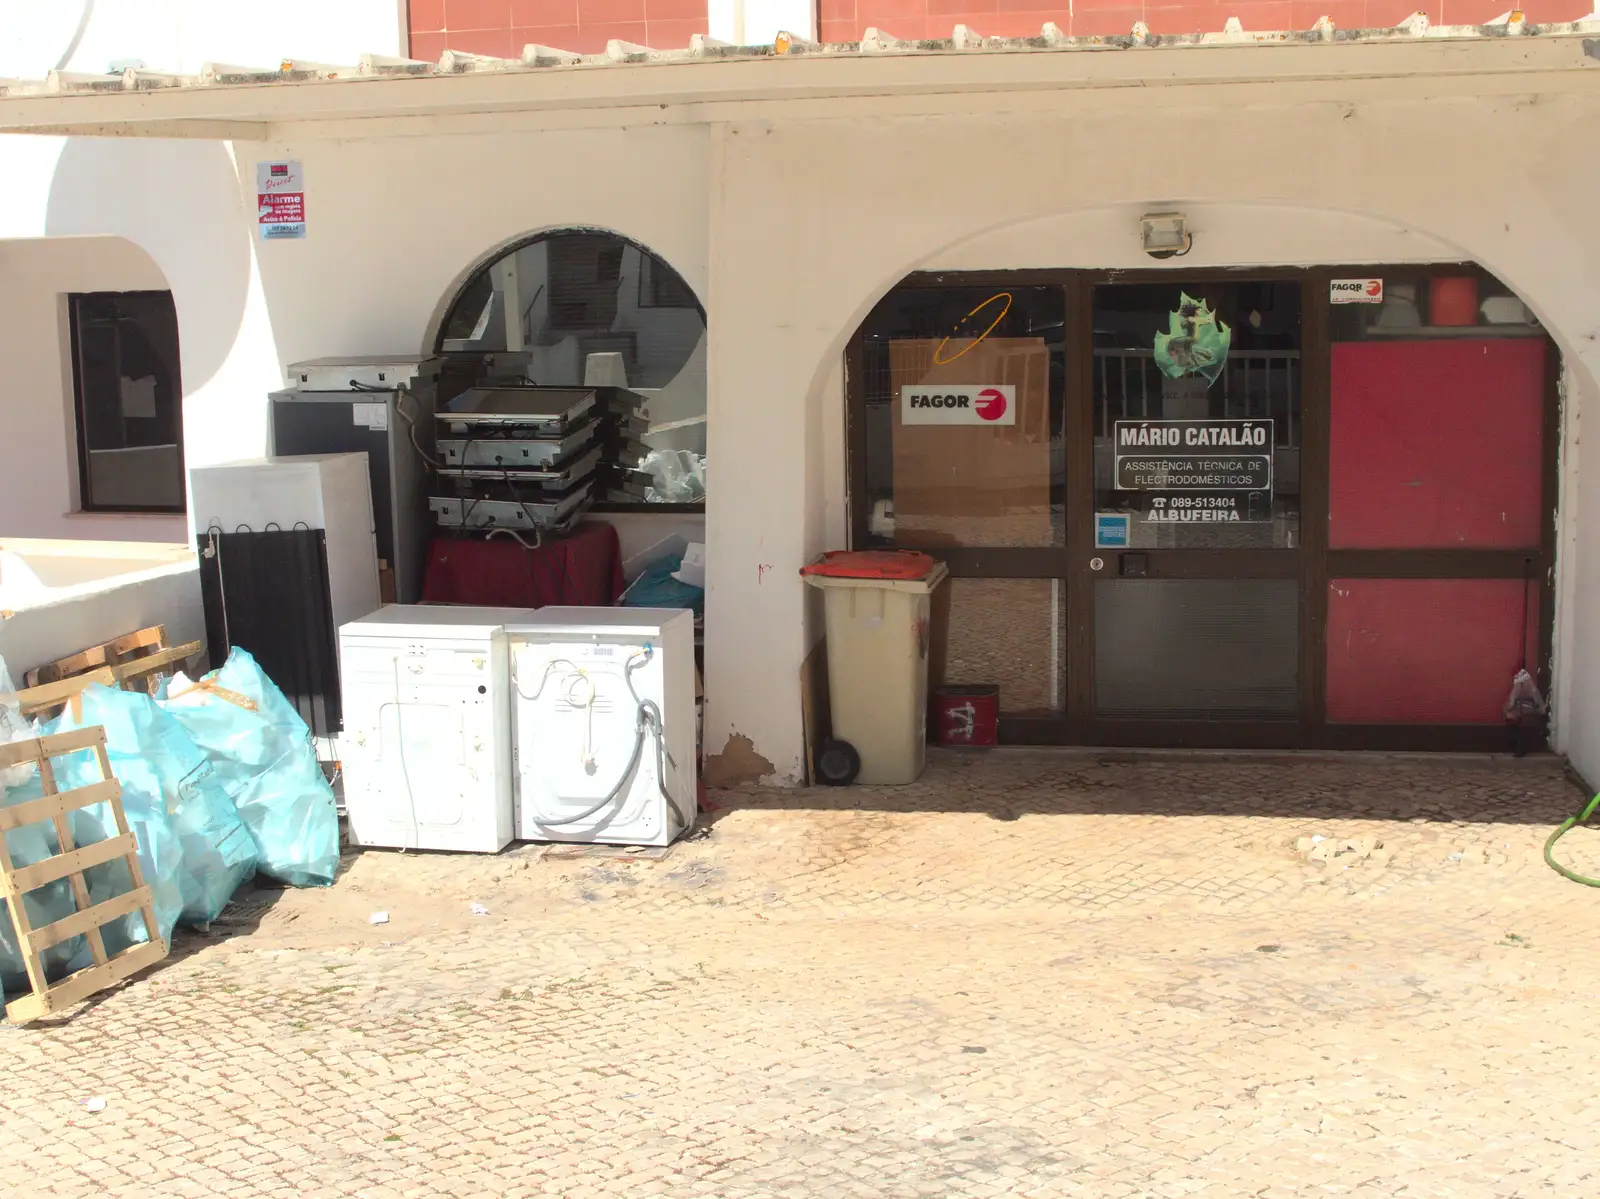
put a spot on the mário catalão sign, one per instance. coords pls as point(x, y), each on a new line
point(1196, 471)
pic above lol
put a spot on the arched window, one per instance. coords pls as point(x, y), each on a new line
point(589, 308)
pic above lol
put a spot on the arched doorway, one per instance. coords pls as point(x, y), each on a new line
point(1265, 508)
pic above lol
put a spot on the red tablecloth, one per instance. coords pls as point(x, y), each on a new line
point(583, 569)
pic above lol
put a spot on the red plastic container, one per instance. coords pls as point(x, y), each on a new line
point(895, 565)
point(967, 716)
point(1453, 300)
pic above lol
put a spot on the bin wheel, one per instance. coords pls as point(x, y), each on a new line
point(837, 763)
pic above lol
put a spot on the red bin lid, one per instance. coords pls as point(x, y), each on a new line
point(872, 564)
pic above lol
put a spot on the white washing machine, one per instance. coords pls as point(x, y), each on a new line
point(605, 725)
point(426, 748)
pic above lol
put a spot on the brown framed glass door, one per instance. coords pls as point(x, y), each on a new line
point(1187, 434)
point(958, 449)
point(1254, 509)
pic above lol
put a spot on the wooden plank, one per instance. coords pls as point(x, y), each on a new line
point(64, 838)
point(61, 744)
point(108, 653)
point(154, 637)
point(28, 878)
point(70, 864)
point(89, 918)
point(36, 811)
point(31, 961)
point(52, 695)
point(35, 748)
point(77, 987)
point(34, 700)
point(92, 658)
point(151, 663)
point(30, 958)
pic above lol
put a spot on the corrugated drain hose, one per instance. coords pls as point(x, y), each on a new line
point(1567, 825)
point(649, 722)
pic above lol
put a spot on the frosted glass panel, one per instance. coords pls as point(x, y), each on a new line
point(1196, 649)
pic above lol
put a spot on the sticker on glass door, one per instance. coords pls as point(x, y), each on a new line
point(1196, 471)
point(958, 404)
point(1111, 530)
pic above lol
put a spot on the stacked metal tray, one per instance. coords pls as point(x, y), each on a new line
point(517, 457)
point(534, 458)
point(622, 428)
point(480, 510)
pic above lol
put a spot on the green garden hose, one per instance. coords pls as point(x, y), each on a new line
point(1549, 845)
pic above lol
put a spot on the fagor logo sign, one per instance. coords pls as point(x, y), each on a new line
point(959, 404)
point(1355, 291)
point(992, 404)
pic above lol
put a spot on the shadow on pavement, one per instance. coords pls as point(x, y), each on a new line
point(1009, 783)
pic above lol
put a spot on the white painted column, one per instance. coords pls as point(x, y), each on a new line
point(759, 369)
point(1577, 643)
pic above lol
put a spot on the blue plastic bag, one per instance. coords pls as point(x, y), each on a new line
point(264, 758)
point(656, 588)
point(162, 769)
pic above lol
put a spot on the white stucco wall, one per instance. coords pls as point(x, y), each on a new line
point(39, 455)
point(790, 229)
point(395, 226)
point(870, 201)
point(179, 203)
point(61, 596)
point(177, 211)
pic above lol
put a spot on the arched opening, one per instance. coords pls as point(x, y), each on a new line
point(1274, 507)
point(587, 307)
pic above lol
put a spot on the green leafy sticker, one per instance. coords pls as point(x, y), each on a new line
point(1196, 342)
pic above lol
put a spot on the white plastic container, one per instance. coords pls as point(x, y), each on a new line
point(879, 631)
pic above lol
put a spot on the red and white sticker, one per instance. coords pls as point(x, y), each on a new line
point(280, 200)
point(1355, 291)
point(959, 404)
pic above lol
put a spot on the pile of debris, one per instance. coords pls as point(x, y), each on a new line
point(1344, 852)
point(214, 780)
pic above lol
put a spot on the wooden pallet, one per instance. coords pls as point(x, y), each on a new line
point(116, 652)
point(70, 863)
point(140, 672)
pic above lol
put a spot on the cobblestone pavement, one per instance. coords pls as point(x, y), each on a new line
point(1033, 974)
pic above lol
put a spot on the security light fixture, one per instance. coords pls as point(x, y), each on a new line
point(1166, 234)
